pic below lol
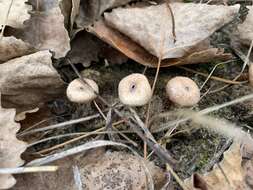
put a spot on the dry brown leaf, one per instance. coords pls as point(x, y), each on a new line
point(45, 31)
point(22, 115)
point(18, 13)
point(140, 55)
point(87, 48)
point(245, 30)
point(194, 23)
point(10, 147)
point(91, 10)
point(10, 47)
point(111, 170)
point(230, 165)
point(27, 81)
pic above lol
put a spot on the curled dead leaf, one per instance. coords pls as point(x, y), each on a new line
point(28, 81)
point(134, 51)
point(10, 147)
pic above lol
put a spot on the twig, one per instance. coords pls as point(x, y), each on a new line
point(161, 152)
point(177, 178)
point(172, 20)
point(99, 110)
point(211, 73)
point(76, 134)
point(223, 173)
point(246, 62)
point(38, 123)
point(154, 84)
point(86, 84)
point(217, 156)
point(21, 170)
point(69, 141)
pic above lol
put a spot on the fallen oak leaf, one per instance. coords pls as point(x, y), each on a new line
point(194, 24)
point(46, 31)
point(10, 147)
point(134, 51)
point(29, 81)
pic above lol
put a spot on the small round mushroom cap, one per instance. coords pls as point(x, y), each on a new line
point(82, 93)
point(134, 90)
point(251, 74)
point(183, 91)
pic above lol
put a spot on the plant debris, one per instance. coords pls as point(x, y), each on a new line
point(10, 147)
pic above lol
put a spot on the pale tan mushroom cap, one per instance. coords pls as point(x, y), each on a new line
point(251, 74)
point(134, 90)
point(82, 93)
point(183, 91)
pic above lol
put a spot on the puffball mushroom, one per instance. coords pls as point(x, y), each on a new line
point(251, 74)
point(79, 92)
point(134, 90)
point(183, 91)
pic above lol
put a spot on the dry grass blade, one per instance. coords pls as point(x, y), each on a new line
point(200, 113)
point(75, 150)
point(212, 77)
point(60, 125)
point(21, 170)
point(70, 141)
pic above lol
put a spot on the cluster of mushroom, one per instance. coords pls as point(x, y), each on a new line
point(135, 90)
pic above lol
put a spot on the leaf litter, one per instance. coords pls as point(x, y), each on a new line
point(10, 147)
point(105, 32)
